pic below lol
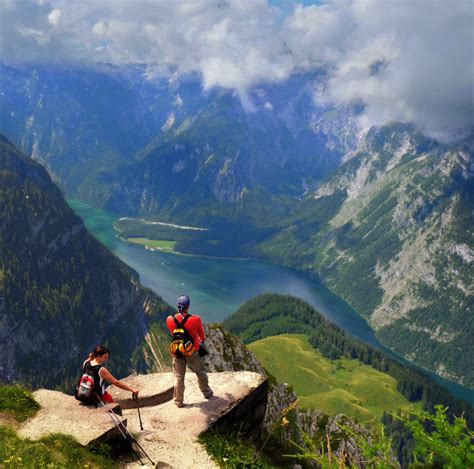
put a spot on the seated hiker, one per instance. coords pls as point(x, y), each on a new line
point(91, 387)
point(187, 348)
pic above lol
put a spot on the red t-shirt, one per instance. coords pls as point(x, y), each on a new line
point(193, 325)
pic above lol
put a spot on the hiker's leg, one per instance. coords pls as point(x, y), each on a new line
point(197, 365)
point(106, 397)
point(179, 368)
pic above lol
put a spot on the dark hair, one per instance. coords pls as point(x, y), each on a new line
point(99, 351)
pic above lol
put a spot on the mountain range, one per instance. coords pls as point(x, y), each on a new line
point(62, 292)
point(383, 216)
point(391, 231)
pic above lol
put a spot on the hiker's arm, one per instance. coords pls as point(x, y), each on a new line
point(200, 332)
point(110, 378)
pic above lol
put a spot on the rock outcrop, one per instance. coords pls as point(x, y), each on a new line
point(170, 433)
point(61, 413)
point(228, 353)
point(155, 389)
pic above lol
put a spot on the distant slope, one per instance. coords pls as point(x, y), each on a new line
point(272, 314)
point(62, 292)
point(80, 120)
point(142, 141)
point(392, 232)
point(340, 386)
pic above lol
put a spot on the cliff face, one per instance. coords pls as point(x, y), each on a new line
point(227, 352)
point(62, 292)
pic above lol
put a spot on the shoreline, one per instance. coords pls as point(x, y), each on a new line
point(162, 223)
point(203, 256)
point(179, 253)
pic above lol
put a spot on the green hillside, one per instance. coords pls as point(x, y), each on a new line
point(340, 386)
point(272, 314)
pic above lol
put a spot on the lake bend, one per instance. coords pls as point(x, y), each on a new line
point(218, 286)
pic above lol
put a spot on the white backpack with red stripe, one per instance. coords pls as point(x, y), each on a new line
point(85, 388)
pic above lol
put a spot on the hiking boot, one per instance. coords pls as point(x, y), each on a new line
point(208, 395)
point(179, 404)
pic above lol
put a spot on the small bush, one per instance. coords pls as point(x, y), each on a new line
point(439, 442)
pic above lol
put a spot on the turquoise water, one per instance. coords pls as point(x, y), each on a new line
point(218, 286)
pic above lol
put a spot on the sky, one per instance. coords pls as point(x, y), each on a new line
point(405, 60)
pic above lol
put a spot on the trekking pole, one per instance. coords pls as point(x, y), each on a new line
point(135, 398)
point(127, 431)
point(120, 426)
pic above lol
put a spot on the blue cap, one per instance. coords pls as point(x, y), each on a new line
point(183, 302)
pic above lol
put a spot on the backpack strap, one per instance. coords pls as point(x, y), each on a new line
point(185, 319)
point(183, 322)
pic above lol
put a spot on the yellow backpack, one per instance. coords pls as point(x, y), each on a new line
point(182, 344)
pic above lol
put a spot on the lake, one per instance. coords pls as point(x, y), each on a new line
point(218, 286)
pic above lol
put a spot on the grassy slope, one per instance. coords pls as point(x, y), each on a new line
point(339, 386)
point(55, 451)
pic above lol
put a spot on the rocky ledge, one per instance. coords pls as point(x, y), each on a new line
point(61, 413)
point(169, 434)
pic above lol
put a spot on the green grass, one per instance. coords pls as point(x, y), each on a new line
point(340, 386)
point(17, 401)
point(55, 451)
point(231, 451)
point(160, 244)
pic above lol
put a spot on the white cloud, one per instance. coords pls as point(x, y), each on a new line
point(54, 17)
point(100, 28)
point(408, 61)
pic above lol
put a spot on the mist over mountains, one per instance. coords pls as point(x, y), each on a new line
point(66, 117)
point(403, 60)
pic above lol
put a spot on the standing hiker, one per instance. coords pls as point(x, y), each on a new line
point(91, 386)
point(187, 348)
